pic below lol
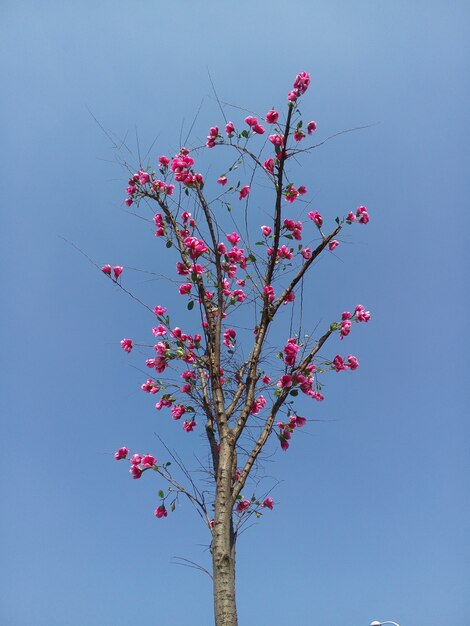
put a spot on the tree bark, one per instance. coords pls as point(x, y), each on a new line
point(223, 544)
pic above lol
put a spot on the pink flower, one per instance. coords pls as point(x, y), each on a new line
point(159, 331)
point(135, 471)
point(362, 215)
point(290, 350)
point(148, 461)
point(243, 505)
point(136, 459)
point(302, 190)
point(268, 503)
point(169, 189)
point(185, 288)
point(251, 121)
point(284, 253)
point(144, 177)
point(269, 291)
point(128, 201)
point(284, 442)
point(234, 238)
point(311, 127)
point(350, 218)
point(106, 269)
point(230, 129)
point(117, 269)
point(266, 230)
point(189, 426)
point(159, 310)
point(285, 381)
point(195, 246)
point(338, 363)
point(258, 129)
point(361, 314)
point(229, 336)
point(306, 253)
point(302, 81)
point(161, 512)
point(346, 315)
point(291, 194)
point(299, 135)
point(177, 410)
point(352, 362)
point(316, 217)
point(293, 95)
point(276, 140)
point(164, 160)
point(345, 328)
point(244, 191)
point(266, 380)
point(300, 421)
point(257, 405)
point(150, 386)
point(333, 244)
point(222, 180)
point(269, 165)
point(272, 116)
point(289, 298)
point(126, 345)
point(121, 454)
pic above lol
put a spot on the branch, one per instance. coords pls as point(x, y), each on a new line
point(304, 268)
point(272, 415)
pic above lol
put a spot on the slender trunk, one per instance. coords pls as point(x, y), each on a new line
point(223, 546)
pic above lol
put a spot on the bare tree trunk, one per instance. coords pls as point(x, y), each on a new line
point(223, 545)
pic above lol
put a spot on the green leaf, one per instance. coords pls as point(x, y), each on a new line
point(190, 305)
point(260, 243)
point(173, 506)
point(294, 392)
point(245, 134)
point(169, 244)
point(337, 220)
point(161, 494)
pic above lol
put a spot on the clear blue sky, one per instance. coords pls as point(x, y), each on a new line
point(372, 514)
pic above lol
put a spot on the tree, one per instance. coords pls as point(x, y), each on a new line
point(234, 379)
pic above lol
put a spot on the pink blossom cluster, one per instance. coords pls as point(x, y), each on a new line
point(283, 252)
point(255, 125)
point(212, 136)
point(160, 187)
point(181, 167)
point(150, 386)
point(301, 83)
point(139, 462)
point(359, 315)
point(258, 405)
point(290, 351)
point(141, 177)
point(361, 215)
point(117, 270)
point(195, 246)
point(340, 364)
point(295, 228)
point(286, 430)
point(229, 337)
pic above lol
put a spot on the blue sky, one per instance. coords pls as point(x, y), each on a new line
point(372, 511)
